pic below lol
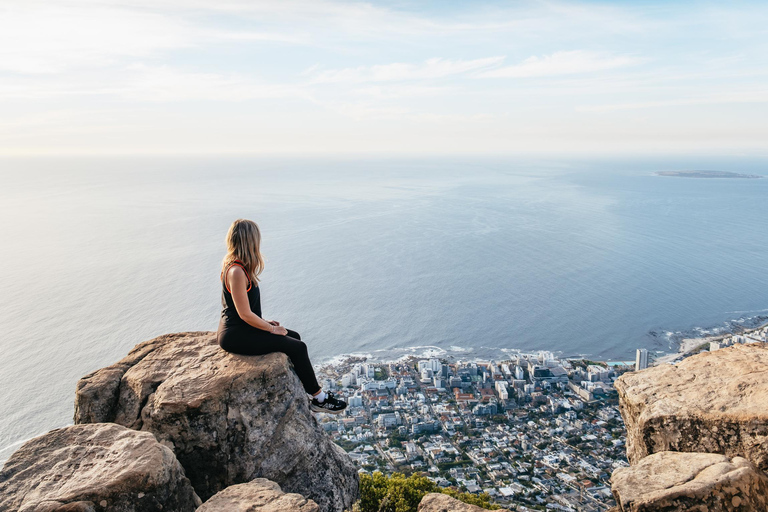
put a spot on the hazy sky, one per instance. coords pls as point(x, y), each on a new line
point(218, 76)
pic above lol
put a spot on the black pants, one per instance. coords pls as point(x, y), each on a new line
point(255, 342)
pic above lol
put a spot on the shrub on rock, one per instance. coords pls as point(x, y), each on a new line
point(398, 493)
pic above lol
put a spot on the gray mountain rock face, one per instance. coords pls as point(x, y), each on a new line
point(260, 495)
point(714, 402)
point(228, 418)
point(95, 468)
point(687, 482)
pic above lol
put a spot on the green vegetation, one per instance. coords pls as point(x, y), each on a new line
point(348, 446)
point(701, 348)
point(445, 466)
point(398, 493)
point(396, 439)
point(589, 362)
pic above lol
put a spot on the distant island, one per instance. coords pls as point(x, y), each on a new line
point(707, 174)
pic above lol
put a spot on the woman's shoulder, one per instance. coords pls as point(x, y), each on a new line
point(236, 267)
point(235, 273)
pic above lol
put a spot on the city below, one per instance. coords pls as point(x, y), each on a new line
point(533, 431)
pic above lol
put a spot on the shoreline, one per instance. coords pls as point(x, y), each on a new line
point(688, 346)
point(685, 348)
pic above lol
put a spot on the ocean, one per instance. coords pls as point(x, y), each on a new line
point(463, 257)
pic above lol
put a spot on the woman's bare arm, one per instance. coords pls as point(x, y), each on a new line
point(238, 284)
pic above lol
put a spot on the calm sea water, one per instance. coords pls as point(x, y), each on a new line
point(376, 257)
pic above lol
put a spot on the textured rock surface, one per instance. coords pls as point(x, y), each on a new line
point(260, 495)
point(436, 502)
point(98, 467)
point(228, 418)
point(676, 481)
point(712, 402)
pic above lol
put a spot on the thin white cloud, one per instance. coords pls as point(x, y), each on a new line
point(165, 84)
point(274, 37)
point(430, 69)
point(153, 84)
point(394, 91)
point(734, 97)
point(47, 37)
point(561, 63)
point(349, 19)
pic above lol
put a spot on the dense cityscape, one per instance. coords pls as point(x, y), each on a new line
point(532, 430)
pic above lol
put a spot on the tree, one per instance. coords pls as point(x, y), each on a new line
point(398, 493)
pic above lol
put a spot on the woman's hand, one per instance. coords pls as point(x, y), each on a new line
point(279, 330)
point(282, 331)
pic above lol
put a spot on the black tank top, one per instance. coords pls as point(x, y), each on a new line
point(229, 316)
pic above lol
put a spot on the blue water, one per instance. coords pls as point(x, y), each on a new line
point(470, 256)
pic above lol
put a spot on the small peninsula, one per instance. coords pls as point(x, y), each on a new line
point(707, 174)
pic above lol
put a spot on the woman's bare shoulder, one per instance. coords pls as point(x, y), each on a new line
point(236, 276)
point(237, 272)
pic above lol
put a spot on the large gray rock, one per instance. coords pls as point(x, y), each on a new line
point(436, 502)
point(260, 495)
point(714, 402)
point(98, 467)
point(228, 418)
point(690, 482)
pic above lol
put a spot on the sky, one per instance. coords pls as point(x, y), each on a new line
point(397, 77)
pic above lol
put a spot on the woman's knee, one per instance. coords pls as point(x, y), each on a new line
point(297, 346)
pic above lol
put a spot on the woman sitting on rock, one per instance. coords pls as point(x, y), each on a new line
point(243, 331)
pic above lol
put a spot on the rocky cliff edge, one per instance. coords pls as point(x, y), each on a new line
point(678, 416)
point(229, 419)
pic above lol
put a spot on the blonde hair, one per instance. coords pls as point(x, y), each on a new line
point(243, 244)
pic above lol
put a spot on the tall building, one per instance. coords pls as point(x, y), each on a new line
point(641, 359)
point(348, 380)
point(368, 370)
point(501, 389)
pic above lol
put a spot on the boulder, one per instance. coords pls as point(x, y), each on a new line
point(260, 495)
point(228, 418)
point(95, 468)
point(713, 402)
point(690, 482)
point(436, 502)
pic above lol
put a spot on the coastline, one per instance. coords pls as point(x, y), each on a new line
point(685, 347)
point(689, 346)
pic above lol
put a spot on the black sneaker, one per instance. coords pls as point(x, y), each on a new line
point(331, 404)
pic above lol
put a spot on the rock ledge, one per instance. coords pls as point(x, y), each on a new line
point(714, 402)
point(98, 467)
point(228, 418)
point(676, 481)
point(260, 495)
